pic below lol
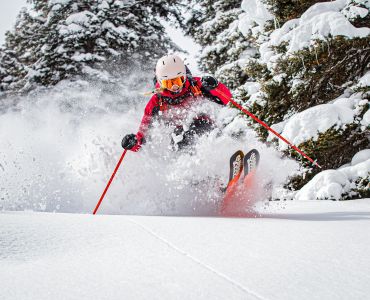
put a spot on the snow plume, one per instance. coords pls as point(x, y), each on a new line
point(59, 148)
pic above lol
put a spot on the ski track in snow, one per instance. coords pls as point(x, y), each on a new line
point(199, 262)
point(294, 250)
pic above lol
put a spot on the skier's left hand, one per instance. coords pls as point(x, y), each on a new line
point(209, 82)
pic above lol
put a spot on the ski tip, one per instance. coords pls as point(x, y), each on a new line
point(236, 164)
point(251, 161)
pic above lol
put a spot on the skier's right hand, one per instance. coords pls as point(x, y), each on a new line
point(129, 142)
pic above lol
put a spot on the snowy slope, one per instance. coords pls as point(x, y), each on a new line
point(296, 250)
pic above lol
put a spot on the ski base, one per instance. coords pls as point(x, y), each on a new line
point(239, 189)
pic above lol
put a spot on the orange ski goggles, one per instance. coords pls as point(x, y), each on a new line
point(173, 84)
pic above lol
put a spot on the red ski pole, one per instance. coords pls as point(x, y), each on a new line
point(268, 128)
point(109, 182)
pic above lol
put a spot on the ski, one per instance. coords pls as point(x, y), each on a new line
point(236, 171)
point(237, 193)
point(251, 160)
point(236, 168)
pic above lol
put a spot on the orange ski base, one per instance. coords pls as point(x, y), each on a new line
point(240, 197)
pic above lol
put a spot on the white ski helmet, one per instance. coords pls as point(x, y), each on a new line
point(169, 67)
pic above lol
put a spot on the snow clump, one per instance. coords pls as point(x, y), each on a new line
point(309, 123)
point(333, 184)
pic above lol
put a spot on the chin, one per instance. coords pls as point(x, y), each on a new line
point(176, 92)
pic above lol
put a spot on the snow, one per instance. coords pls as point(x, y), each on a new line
point(318, 247)
point(63, 145)
point(333, 184)
point(251, 87)
point(320, 21)
point(104, 5)
point(87, 57)
point(256, 13)
point(70, 29)
point(323, 7)
point(366, 119)
point(350, 103)
point(301, 33)
point(354, 11)
point(78, 22)
point(360, 169)
point(364, 80)
point(309, 123)
point(360, 156)
point(328, 184)
point(61, 2)
point(83, 18)
point(121, 30)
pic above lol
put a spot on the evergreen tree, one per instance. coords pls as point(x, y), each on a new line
point(285, 10)
point(214, 25)
point(59, 39)
point(293, 81)
point(240, 46)
point(10, 70)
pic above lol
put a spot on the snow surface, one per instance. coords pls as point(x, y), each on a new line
point(295, 250)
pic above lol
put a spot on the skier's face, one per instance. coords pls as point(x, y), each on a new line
point(175, 88)
point(174, 85)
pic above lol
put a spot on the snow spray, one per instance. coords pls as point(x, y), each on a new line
point(269, 128)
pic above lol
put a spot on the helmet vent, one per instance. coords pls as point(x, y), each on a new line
point(169, 67)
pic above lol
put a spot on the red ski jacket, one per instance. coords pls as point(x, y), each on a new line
point(164, 101)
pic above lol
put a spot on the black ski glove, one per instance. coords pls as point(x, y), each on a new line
point(129, 141)
point(209, 82)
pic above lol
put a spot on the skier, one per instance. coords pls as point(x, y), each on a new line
point(176, 92)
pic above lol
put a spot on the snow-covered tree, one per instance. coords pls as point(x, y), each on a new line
point(301, 66)
point(60, 39)
point(285, 10)
point(214, 25)
point(312, 79)
point(10, 70)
